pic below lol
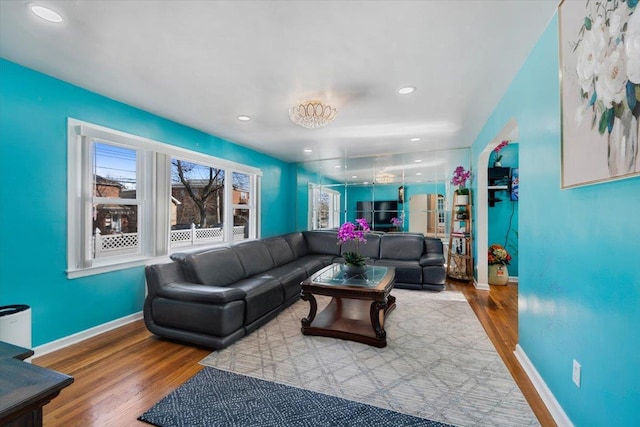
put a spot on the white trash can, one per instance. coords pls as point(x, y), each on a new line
point(15, 325)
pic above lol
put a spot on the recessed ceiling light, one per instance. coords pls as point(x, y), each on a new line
point(244, 118)
point(308, 150)
point(45, 13)
point(337, 166)
point(354, 176)
point(418, 173)
point(414, 139)
point(406, 90)
point(417, 161)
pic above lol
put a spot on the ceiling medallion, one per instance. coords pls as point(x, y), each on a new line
point(312, 114)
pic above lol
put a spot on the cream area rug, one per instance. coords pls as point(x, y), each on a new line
point(438, 364)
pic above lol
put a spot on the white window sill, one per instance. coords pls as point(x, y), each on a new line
point(106, 268)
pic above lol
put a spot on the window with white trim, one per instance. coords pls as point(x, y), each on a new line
point(324, 207)
point(131, 199)
point(115, 203)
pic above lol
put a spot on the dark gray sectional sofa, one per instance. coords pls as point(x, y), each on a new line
point(213, 297)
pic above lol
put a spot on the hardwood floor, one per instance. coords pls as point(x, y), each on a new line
point(122, 373)
point(497, 311)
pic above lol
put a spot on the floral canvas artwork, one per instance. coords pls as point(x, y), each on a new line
point(600, 69)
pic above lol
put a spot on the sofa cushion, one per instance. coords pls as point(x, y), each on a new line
point(280, 250)
point(290, 278)
point(433, 246)
point(310, 263)
point(215, 267)
point(254, 256)
point(434, 275)
point(297, 244)
point(186, 291)
point(432, 259)
point(263, 295)
point(211, 319)
point(370, 249)
point(160, 274)
point(322, 242)
point(401, 246)
point(406, 271)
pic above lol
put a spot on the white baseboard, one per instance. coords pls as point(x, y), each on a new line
point(558, 414)
point(61, 343)
point(481, 286)
point(513, 279)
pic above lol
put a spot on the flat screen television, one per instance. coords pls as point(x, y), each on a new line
point(515, 184)
point(378, 213)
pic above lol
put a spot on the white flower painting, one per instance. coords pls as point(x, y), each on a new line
point(600, 69)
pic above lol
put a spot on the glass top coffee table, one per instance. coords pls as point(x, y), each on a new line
point(358, 306)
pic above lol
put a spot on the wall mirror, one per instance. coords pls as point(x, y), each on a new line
point(408, 192)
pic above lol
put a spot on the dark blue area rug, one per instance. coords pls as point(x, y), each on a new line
point(218, 398)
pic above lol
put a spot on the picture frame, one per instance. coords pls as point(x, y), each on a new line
point(600, 91)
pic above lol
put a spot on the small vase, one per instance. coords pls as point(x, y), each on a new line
point(497, 164)
point(353, 270)
point(462, 199)
point(498, 274)
point(622, 141)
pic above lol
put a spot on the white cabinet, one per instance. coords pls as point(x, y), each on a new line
point(427, 215)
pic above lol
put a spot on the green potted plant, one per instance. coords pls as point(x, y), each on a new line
point(460, 177)
point(498, 156)
point(397, 223)
point(461, 213)
point(354, 262)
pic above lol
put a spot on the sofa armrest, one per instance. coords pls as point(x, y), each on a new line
point(194, 292)
point(432, 259)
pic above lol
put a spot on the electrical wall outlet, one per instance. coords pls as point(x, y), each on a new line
point(577, 372)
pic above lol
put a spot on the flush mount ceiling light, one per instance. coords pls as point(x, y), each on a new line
point(406, 90)
point(45, 13)
point(312, 114)
point(384, 178)
point(414, 139)
point(244, 118)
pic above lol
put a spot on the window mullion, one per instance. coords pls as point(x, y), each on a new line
point(228, 205)
point(254, 202)
point(159, 206)
point(86, 198)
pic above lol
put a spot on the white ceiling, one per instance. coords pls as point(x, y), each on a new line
point(203, 63)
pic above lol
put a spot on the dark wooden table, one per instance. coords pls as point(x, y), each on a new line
point(358, 306)
point(25, 388)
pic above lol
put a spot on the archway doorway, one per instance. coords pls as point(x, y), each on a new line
point(508, 132)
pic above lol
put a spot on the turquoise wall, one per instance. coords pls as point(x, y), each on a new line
point(503, 216)
point(579, 282)
point(33, 197)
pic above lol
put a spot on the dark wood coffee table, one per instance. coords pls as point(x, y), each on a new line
point(358, 306)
